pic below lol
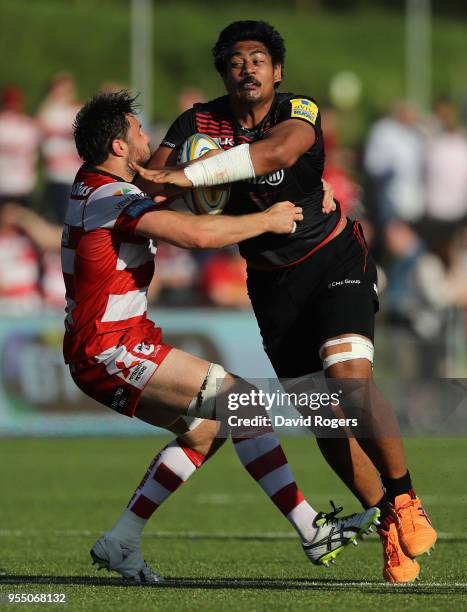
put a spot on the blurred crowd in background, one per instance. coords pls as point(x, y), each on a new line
point(406, 181)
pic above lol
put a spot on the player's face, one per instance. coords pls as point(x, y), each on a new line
point(250, 74)
point(138, 142)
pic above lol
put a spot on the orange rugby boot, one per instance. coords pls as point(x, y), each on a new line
point(397, 566)
point(416, 534)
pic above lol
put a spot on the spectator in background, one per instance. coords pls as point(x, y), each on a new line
point(187, 96)
point(30, 267)
point(223, 279)
point(174, 280)
point(426, 281)
point(61, 161)
point(405, 248)
point(394, 164)
point(112, 87)
point(20, 292)
point(446, 201)
point(19, 145)
point(338, 167)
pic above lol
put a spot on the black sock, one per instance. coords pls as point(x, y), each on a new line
point(384, 508)
point(397, 486)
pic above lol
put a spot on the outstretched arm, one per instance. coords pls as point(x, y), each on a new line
point(280, 148)
point(157, 180)
point(212, 231)
point(295, 133)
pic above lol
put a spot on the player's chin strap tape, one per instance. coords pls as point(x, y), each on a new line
point(226, 167)
point(359, 349)
point(204, 404)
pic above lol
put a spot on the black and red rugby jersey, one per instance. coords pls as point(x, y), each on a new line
point(301, 184)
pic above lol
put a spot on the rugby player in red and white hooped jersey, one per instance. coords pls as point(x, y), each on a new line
point(313, 292)
point(117, 355)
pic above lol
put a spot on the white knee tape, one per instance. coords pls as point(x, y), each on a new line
point(360, 349)
point(192, 422)
point(204, 404)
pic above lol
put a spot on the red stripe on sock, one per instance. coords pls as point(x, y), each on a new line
point(143, 507)
point(193, 455)
point(265, 430)
point(266, 463)
point(287, 498)
point(168, 479)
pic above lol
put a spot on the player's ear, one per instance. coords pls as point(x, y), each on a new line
point(277, 73)
point(118, 147)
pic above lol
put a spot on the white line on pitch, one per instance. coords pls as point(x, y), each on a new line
point(266, 535)
point(225, 499)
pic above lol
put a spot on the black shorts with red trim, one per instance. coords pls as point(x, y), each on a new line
point(118, 376)
point(332, 292)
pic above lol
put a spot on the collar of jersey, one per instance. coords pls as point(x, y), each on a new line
point(257, 127)
point(104, 173)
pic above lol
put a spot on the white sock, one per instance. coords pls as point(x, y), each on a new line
point(265, 461)
point(168, 470)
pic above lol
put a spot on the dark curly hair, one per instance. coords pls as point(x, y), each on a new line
point(100, 121)
point(248, 30)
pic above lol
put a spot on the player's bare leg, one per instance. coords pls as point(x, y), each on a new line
point(353, 466)
point(386, 453)
point(412, 533)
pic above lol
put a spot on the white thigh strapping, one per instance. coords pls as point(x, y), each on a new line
point(361, 348)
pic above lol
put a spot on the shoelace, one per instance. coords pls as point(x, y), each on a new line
point(412, 501)
point(331, 517)
point(391, 548)
point(414, 504)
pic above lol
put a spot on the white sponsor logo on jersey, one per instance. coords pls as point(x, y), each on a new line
point(229, 142)
point(346, 281)
point(272, 179)
point(80, 189)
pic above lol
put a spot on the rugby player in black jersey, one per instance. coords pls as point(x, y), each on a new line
point(314, 291)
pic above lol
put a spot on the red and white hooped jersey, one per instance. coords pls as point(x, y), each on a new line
point(107, 267)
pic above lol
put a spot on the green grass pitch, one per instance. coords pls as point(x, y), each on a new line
point(219, 539)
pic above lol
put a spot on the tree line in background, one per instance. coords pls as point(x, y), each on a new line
point(441, 7)
point(91, 40)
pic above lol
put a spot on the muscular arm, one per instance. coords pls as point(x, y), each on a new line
point(282, 146)
point(209, 231)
